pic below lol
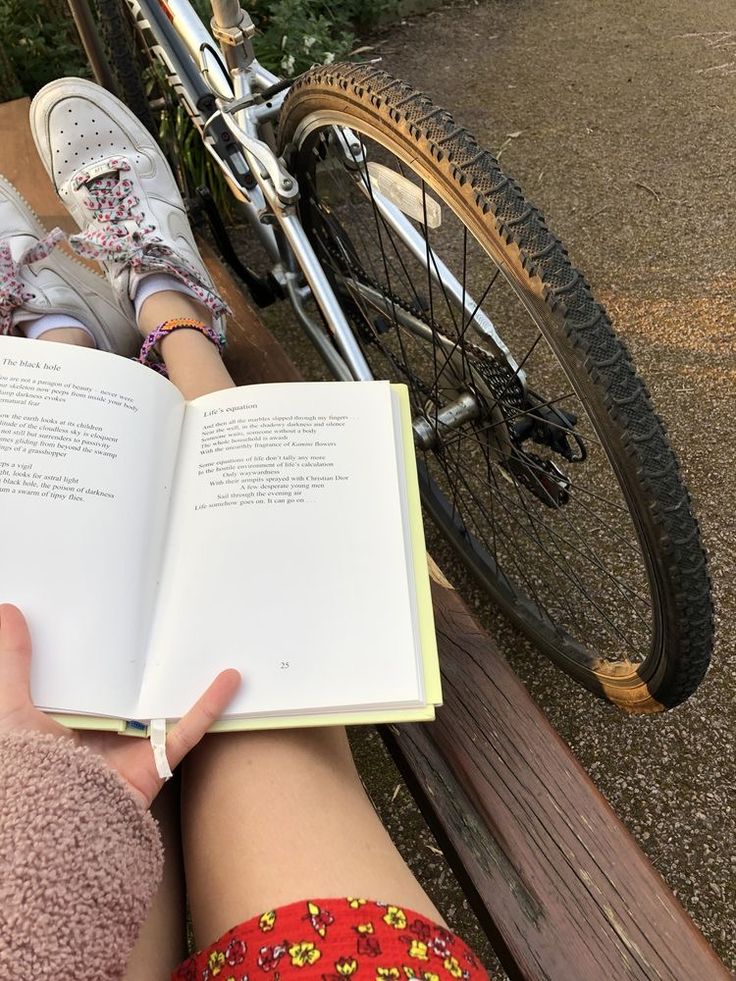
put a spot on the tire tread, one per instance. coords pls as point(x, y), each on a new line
point(588, 328)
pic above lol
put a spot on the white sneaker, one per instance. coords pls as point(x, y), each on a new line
point(118, 187)
point(37, 279)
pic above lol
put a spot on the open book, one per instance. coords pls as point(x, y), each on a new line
point(153, 542)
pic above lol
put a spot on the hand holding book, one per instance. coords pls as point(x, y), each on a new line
point(132, 759)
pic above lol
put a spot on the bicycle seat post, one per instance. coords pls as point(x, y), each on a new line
point(233, 28)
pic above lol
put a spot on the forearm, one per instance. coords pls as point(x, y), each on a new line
point(79, 862)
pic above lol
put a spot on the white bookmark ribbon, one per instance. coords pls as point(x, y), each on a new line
point(157, 731)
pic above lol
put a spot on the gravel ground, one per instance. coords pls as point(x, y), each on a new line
point(625, 116)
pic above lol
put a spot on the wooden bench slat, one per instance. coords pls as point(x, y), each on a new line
point(569, 893)
point(22, 166)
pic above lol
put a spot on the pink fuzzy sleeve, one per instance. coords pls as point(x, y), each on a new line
point(79, 862)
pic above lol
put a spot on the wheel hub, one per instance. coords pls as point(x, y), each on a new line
point(434, 424)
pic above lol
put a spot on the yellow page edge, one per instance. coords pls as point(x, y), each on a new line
point(421, 714)
point(98, 723)
point(425, 612)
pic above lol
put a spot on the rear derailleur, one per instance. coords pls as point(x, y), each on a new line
point(545, 425)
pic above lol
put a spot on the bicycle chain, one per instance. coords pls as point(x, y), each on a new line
point(501, 379)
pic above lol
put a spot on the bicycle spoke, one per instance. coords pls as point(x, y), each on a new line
point(383, 257)
point(528, 584)
point(609, 529)
point(587, 554)
point(498, 493)
point(574, 485)
point(564, 569)
point(513, 550)
point(458, 343)
point(552, 532)
point(431, 258)
point(555, 558)
point(478, 505)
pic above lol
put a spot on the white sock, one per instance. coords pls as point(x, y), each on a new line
point(52, 321)
point(152, 283)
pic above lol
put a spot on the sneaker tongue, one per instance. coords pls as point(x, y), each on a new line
point(104, 191)
point(105, 168)
point(110, 168)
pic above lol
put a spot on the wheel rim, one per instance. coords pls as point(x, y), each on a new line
point(574, 576)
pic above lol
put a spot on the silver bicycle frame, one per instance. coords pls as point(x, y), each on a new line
point(234, 81)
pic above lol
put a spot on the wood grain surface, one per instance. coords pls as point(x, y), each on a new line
point(563, 888)
point(20, 164)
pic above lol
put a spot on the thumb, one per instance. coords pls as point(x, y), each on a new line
point(209, 707)
point(15, 658)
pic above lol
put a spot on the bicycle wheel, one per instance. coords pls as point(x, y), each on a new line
point(151, 91)
point(126, 58)
point(539, 453)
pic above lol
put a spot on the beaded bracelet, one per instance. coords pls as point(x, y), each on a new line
point(168, 327)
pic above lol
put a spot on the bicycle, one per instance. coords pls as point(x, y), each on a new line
point(394, 236)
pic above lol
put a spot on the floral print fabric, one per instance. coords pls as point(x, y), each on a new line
point(332, 940)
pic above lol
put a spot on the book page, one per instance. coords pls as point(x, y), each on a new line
point(87, 449)
point(286, 555)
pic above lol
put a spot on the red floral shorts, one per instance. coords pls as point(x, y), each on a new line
point(331, 940)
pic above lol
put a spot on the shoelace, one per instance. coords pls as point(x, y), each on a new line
point(120, 235)
point(13, 291)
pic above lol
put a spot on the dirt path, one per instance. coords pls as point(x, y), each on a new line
point(626, 116)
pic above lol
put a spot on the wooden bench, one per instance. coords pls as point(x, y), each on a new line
point(558, 883)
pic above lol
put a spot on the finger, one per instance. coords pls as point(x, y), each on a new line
point(15, 656)
point(189, 730)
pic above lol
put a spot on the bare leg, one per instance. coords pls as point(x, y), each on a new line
point(68, 335)
point(272, 817)
point(192, 360)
